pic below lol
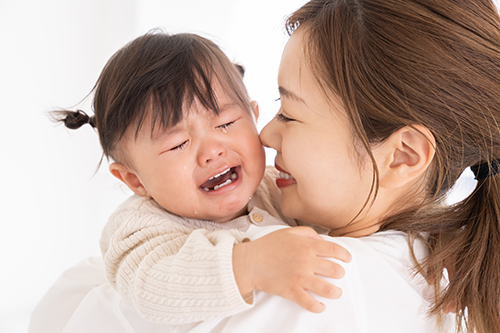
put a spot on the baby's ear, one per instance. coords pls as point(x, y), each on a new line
point(130, 178)
point(405, 155)
point(255, 108)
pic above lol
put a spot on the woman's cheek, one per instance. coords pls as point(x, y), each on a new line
point(290, 151)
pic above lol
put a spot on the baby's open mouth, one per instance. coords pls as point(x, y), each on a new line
point(220, 180)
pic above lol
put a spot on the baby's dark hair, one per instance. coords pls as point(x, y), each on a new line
point(154, 78)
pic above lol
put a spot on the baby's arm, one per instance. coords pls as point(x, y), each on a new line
point(287, 263)
point(178, 275)
point(169, 272)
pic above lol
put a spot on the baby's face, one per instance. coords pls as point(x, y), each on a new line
point(206, 167)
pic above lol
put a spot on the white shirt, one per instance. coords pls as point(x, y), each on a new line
point(381, 293)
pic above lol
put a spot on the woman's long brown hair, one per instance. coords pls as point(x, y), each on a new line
point(396, 63)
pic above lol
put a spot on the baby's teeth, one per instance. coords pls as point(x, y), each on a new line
point(220, 174)
point(285, 175)
point(206, 189)
point(234, 176)
point(227, 182)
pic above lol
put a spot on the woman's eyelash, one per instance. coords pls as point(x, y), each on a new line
point(280, 117)
point(283, 119)
point(182, 145)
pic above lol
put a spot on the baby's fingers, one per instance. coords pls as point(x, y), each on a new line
point(325, 267)
point(305, 300)
point(324, 289)
point(332, 250)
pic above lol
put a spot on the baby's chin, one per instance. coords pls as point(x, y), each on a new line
point(231, 205)
point(220, 213)
point(229, 214)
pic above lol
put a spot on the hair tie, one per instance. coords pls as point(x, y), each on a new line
point(485, 170)
point(87, 119)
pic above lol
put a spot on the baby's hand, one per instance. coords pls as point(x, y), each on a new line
point(287, 263)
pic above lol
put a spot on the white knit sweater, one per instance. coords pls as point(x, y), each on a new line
point(178, 270)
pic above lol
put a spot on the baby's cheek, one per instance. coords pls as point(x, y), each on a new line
point(254, 148)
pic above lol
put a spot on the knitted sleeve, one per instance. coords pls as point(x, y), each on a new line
point(169, 272)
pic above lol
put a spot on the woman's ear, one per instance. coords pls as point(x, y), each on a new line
point(405, 155)
point(129, 177)
point(255, 108)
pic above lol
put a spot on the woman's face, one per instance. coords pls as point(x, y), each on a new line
point(312, 136)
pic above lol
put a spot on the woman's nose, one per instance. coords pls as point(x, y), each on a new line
point(270, 135)
point(210, 150)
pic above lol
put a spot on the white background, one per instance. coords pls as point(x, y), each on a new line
point(53, 206)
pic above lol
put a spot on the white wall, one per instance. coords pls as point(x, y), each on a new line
point(53, 207)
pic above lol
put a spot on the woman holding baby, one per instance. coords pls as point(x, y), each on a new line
point(384, 103)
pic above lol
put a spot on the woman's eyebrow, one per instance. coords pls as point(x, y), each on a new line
point(288, 94)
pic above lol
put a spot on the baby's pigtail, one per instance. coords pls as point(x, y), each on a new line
point(73, 119)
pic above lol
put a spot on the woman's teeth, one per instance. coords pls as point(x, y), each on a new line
point(285, 175)
point(227, 182)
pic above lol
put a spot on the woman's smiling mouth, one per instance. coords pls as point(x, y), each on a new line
point(283, 178)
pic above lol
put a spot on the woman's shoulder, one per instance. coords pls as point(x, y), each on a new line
point(387, 254)
point(379, 290)
point(386, 243)
point(383, 278)
point(392, 247)
point(386, 269)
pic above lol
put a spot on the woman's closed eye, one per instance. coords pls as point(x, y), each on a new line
point(282, 118)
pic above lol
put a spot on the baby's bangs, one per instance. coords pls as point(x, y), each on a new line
point(197, 71)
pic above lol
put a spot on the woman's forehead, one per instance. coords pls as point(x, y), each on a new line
point(292, 59)
point(298, 83)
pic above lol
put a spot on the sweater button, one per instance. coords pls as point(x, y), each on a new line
point(257, 218)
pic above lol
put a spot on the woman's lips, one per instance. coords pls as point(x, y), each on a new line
point(283, 178)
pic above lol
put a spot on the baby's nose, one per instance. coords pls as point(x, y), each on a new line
point(210, 151)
